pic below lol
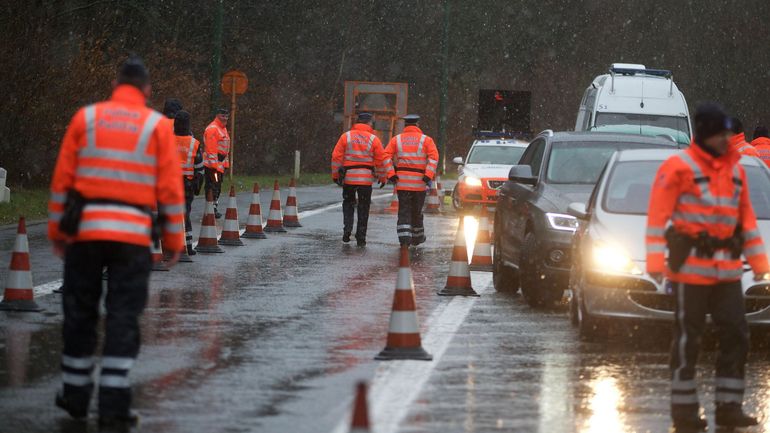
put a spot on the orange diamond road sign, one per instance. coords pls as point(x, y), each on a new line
point(234, 80)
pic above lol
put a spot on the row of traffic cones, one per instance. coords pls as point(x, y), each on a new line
point(432, 201)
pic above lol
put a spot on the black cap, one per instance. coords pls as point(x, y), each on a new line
point(133, 72)
point(761, 131)
point(223, 111)
point(171, 107)
point(364, 117)
point(710, 120)
point(737, 125)
point(411, 119)
point(182, 123)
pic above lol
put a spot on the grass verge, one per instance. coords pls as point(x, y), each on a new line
point(246, 183)
point(30, 203)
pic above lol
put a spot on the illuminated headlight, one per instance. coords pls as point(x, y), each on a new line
point(472, 181)
point(562, 222)
point(609, 258)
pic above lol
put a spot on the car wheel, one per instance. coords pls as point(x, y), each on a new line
point(504, 278)
point(590, 328)
point(456, 202)
point(535, 292)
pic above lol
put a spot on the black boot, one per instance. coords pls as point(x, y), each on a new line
point(119, 422)
point(687, 418)
point(217, 215)
point(346, 237)
point(731, 415)
point(77, 411)
point(191, 251)
point(361, 242)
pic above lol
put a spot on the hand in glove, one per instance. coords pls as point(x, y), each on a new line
point(382, 183)
point(427, 181)
point(393, 179)
point(221, 156)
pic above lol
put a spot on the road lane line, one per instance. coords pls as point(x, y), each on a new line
point(397, 384)
point(48, 288)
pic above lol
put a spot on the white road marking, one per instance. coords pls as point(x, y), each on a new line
point(48, 288)
point(397, 384)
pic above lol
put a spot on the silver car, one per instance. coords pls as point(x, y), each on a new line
point(608, 281)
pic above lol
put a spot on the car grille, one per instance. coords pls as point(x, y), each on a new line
point(661, 302)
point(495, 184)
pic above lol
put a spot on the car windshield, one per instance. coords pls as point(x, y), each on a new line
point(645, 124)
point(629, 185)
point(582, 162)
point(506, 155)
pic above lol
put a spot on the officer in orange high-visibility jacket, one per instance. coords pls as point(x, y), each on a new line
point(703, 192)
point(761, 142)
point(738, 139)
point(411, 159)
point(216, 141)
point(117, 163)
point(356, 163)
point(191, 158)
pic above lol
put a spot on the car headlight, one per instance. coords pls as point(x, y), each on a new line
point(560, 221)
point(472, 181)
point(610, 258)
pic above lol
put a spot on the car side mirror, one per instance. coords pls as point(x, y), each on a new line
point(578, 210)
point(458, 160)
point(522, 174)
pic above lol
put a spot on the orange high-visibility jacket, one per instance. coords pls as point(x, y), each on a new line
point(120, 152)
point(738, 141)
point(360, 151)
point(762, 146)
point(415, 155)
point(216, 141)
point(188, 149)
point(700, 193)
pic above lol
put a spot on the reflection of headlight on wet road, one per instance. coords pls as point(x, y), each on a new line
point(605, 404)
point(471, 228)
point(472, 181)
point(609, 258)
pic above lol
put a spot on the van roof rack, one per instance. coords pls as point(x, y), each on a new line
point(633, 71)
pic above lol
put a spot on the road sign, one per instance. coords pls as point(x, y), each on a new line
point(234, 82)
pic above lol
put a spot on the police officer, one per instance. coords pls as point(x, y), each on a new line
point(703, 192)
point(191, 157)
point(216, 141)
point(415, 157)
point(738, 139)
point(117, 162)
point(356, 160)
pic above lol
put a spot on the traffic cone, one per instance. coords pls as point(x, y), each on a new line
point(393, 208)
point(290, 216)
point(439, 187)
point(404, 333)
point(482, 251)
point(156, 252)
point(458, 282)
point(433, 204)
point(231, 234)
point(184, 257)
point(207, 241)
point(275, 217)
point(19, 295)
point(254, 222)
point(359, 423)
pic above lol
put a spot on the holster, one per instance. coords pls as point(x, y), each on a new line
point(158, 221)
point(679, 246)
point(73, 212)
point(341, 175)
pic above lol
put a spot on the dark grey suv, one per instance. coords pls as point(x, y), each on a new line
point(533, 232)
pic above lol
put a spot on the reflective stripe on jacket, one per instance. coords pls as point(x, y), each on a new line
point(361, 150)
point(414, 155)
point(700, 193)
point(188, 151)
point(738, 141)
point(114, 151)
point(216, 141)
point(762, 146)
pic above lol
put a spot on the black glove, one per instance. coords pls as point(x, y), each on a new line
point(382, 184)
point(338, 181)
point(426, 179)
point(221, 156)
point(393, 179)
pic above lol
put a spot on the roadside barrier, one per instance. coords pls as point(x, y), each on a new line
point(207, 241)
point(18, 294)
point(275, 217)
point(458, 282)
point(254, 222)
point(290, 215)
point(231, 230)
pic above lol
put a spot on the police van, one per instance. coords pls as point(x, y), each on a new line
point(634, 99)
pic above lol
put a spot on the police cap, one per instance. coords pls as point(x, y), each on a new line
point(411, 119)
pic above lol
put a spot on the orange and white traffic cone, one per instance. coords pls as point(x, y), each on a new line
point(290, 215)
point(359, 423)
point(231, 231)
point(482, 251)
point(433, 204)
point(439, 187)
point(19, 294)
point(254, 222)
point(458, 281)
point(156, 252)
point(404, 340)
point(393, 207)
point(207, 241)
point(275, 217)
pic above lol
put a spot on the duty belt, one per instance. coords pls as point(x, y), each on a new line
point(680, 245)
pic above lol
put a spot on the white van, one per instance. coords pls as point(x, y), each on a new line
point(637, 100)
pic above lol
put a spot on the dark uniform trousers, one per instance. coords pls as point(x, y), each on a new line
point(356, 197)
point(215, 186)
point(410, 227)
point(189, 196)
point(128, 267)
point(725, 303)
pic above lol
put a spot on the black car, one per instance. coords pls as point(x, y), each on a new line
point(533, 232)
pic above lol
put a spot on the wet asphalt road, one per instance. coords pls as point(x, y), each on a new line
point(271, 337)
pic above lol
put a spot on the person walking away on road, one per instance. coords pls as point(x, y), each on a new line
point(703, 191)
point(416, 158)
point(216, 141)
point(191, 158)
point(738, 140)
point(117, 163)
point(761, 143)
point(356, 161)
